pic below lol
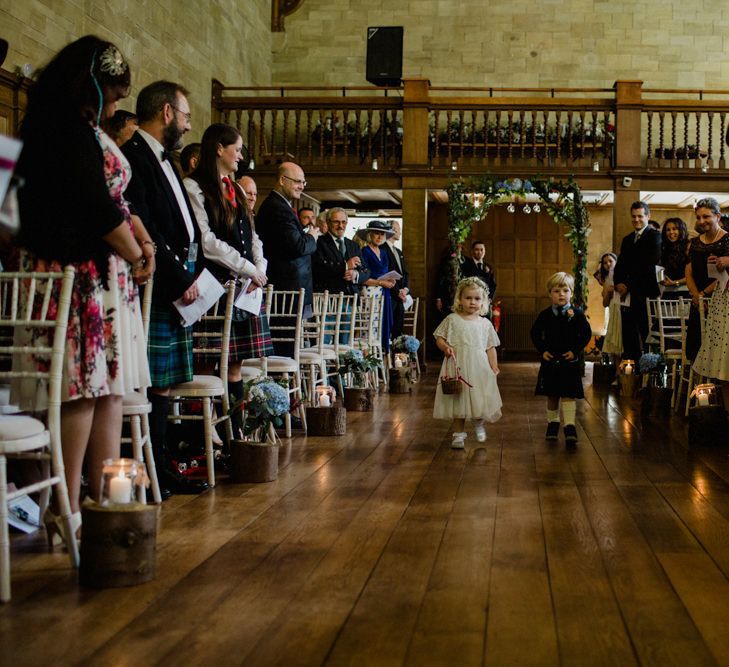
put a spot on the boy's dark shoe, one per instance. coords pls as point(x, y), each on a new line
point(570, 434)
point(552, 431)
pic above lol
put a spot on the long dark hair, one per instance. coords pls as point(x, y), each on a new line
point(208, 178)
point(74, 81)
point(674, 255)
point(602, 271)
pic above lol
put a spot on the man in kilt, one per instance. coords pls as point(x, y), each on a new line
point(158, 197)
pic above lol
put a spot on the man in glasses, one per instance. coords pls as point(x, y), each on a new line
point(288, 247)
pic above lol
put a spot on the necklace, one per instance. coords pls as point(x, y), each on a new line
point(716, 236)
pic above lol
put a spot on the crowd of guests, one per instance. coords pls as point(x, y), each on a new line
point(118, 211)
point(670, 263)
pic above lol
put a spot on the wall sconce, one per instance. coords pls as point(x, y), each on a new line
point(375, 165)
point(527, 209)
point(454, 165)
point(251, 165)
point(511, 208)
point(536, 208)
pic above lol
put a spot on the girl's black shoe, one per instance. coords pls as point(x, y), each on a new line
point(552, 431)
point(570, 434)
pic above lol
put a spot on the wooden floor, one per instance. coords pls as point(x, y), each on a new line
point(386, 547)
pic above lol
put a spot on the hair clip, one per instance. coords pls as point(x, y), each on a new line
point(112, 61)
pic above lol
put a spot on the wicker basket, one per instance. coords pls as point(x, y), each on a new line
point(451, 383)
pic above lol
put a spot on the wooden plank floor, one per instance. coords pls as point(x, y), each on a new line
point(386, 547)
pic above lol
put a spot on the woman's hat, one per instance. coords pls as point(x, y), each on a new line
point(383, 226)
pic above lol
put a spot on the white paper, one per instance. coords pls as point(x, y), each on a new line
point(408, 303)
point(250, 301)
point(390, 275)
point(721, 276)
point(660, 273)
point(23, 513)
point(210, 290)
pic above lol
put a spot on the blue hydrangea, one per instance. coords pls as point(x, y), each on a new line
point(268, 398)
point(651, 361)
point(404, 343)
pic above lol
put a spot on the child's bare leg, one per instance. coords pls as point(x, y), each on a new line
point(459, 425)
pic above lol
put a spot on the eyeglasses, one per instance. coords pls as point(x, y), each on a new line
point(188, 115)
point(298, 181)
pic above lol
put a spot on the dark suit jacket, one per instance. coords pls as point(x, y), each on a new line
point(152, 199)
point(636, 266)
point(329, 266)
point(286, 246)
point(470, 270)
point(394, 266)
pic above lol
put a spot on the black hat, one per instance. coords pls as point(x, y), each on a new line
point(375, 226)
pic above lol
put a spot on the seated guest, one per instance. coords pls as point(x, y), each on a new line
point(477, 266)
point(674, 257)
point(121, 126)
point(189, 158)
point(400, 292)
point(337, 264)
point(375, 258)
point(231, 248)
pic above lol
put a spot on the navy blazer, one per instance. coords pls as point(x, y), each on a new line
point(153, 200)
point(636, 266)
point(329, 266)
point(287, 247)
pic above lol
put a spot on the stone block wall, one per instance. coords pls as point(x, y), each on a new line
point(185, 41)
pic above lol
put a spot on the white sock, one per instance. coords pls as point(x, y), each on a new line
point(569, 411)
point(552, 415)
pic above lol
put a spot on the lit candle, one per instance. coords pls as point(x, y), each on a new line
point(324, 401)
point(703, 399)
point(120, 489)
point(628, 369)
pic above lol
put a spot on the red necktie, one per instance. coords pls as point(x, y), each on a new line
point(296, 213)
point(230, 191)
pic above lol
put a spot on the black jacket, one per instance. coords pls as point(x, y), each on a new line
point(394, 266)
point(636, 266)
point(329, 266)
point(470, 270)
point(153, 200)
point(287, 247)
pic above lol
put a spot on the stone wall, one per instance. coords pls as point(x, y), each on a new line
point(230, 40)
point(514, 43)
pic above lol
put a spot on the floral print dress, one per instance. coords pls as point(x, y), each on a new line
point(106, 349)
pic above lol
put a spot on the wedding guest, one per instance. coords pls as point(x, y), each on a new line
point(476, 266)
point(613, 342)
point(189, 158)
point(399, 293)
point(121, 126)
point(674, 257)
point(230, 245)
point(80, 217)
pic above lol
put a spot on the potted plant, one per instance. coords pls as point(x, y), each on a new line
point(404, 370)
point(264, 404)
point(356, 368)
point(656, 395)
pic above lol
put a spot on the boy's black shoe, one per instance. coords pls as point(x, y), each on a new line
point(570, 434)
point(552, 431)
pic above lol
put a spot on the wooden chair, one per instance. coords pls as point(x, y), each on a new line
point(688, 376)
point(367, 332)
point(652, 309)
point(136, 408)
point(210, 388)
point(313, 354)
point(332, 329)
point(410, 327)
point(24, 307)
point(285, 311)
point(671, 315)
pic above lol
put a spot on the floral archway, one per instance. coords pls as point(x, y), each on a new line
point(469, 201)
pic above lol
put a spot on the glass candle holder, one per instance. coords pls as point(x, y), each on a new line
point(118, 481)
point(324, 397)
point(705, 395)
point(627, 367)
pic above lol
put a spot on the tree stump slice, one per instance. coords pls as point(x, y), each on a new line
point(400, 381)
point(253, 462)
point(708, 426)
point(118, 544)
point(358, 399)
point(628, 385)
point(603, 373)
point(326, 421)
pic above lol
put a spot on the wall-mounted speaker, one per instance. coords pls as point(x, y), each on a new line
point(384, 55)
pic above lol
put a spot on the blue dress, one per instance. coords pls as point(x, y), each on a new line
point(379, 266)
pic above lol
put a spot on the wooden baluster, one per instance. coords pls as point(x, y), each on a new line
point(262, 145)
point(383, 131)
point(297, 132)
point(396, 114)
point(649, 148)
point(710, 153)
point(581, 148)
point(697, 162)
point(286, 134)
point(357, 138)
point(595, 117)
point(309, 148)
point(369, 134)
point(570, 137)
point(685, 138)
point(661, 136)
point(533, 117)
point(254, 150)
point(322, 129)
point(522, 138)
point(558, 139)
point(722, 135)
point(510, 150)
point(545, 140)
point(674, 161)
point(334, 134)
point(274, 119)
point(449, 115)
point(498, 137)
point(461, 131)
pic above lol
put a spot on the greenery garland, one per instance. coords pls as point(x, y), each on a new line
point(469, 202)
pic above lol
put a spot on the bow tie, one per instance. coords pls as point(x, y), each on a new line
point(166, 155)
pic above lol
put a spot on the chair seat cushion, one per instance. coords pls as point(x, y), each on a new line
point(134, 400)
point(275, 363)
point(19, 427)
point(200, 385)
point(310, 357)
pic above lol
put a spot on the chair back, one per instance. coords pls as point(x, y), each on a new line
point(652, 308)
point(350, 304)
point(368, 320)
point(410, 319)
point(671, 314)
point(34, 309)
point(314, 329)
point(214, 336)
point(333, 321)
point(285, 315)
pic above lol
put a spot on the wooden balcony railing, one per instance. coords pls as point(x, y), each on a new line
point(438, 128)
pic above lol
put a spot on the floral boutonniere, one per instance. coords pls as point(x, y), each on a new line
point(570, 314)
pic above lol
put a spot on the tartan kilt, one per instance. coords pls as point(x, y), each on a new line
point(249, 339)
point(169, 347)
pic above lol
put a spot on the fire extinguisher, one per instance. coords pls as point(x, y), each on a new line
point(496, 315)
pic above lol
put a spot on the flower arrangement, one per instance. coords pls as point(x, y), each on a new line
point(358, 364)
point(404, 343)
point(264, 404)
point(651, 361)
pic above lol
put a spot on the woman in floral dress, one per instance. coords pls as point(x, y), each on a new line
point(73, 211)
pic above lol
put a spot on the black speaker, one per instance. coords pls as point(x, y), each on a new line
point(384, 56)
